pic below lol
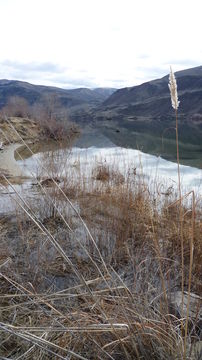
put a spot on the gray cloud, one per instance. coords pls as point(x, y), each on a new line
point(151, 70)
point(116, 83)
point(145, 74)
point(46, 73)
point(32, 71)
point(70, 81)
point(183, 62)
point(32, 66)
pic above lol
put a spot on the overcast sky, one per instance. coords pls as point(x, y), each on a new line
point(93, 43)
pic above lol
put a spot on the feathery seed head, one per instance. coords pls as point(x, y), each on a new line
point(173, 90)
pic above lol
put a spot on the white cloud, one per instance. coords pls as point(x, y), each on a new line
point(96, 43)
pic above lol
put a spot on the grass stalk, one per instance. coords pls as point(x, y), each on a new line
point(190, 270)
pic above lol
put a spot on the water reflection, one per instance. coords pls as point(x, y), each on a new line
point(50, 160)
point(123, 159)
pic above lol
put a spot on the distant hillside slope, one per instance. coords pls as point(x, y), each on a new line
point(156, 92)
point(146, 108)
point(35, 93)
point(138, 117)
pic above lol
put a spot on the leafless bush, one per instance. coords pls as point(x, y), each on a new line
point(54, 119)
point(105, 173)
point(17, 107)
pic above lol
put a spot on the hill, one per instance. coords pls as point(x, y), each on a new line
point(154, 93)
point(142, 115)
point(137, 117)
point(36, 93)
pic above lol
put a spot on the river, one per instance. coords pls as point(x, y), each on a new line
point(79, 162)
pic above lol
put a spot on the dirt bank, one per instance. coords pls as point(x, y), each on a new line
point(16, 127)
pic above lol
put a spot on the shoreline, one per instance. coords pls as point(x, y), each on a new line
point(8, 164)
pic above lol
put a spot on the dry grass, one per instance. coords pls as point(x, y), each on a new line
point(52, 306)
point(106, 174)
point(88, 270)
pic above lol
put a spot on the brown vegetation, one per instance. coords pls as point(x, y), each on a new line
point(12, 128)
point(48, 117)
point(92, 268)
point(71, 289)
point(16, 107)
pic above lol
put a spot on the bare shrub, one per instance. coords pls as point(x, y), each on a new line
point(101, 173)
point(17, 107)
point(54, 119)
point(105, 173)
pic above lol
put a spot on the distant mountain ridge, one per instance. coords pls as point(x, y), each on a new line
point(139, 116)
point(34, 93)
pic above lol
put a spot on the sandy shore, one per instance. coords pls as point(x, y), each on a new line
point(12, 170)
point(8, 164)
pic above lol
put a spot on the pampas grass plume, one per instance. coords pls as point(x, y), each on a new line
point(173, 90)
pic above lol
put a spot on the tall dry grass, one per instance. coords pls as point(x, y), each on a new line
point(175, 104)
point(90, 269)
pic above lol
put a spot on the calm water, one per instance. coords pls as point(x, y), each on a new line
point(80, 162)
point(154, 168)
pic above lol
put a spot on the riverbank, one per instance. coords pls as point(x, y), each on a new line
point(102, 264)
point(8, 164)
point(13, 129)
point(93, 258)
